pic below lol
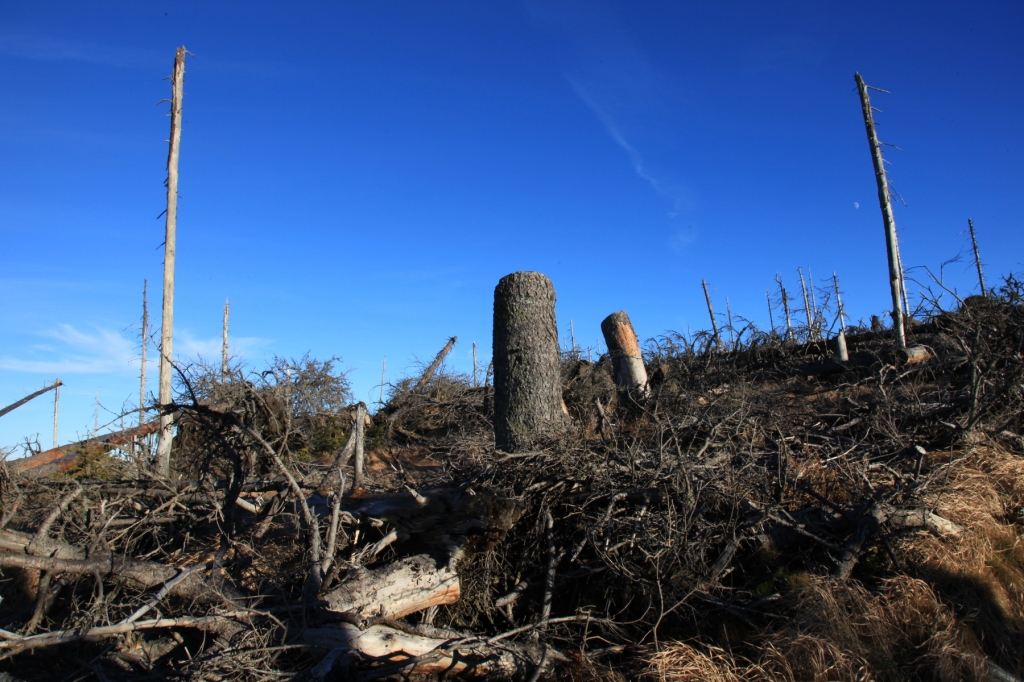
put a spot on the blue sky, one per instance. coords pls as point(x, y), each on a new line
point(358, 178)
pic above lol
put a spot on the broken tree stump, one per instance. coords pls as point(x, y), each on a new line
point(627, 361)
point(527, 362)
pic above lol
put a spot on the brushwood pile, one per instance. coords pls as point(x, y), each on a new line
point(766, 513)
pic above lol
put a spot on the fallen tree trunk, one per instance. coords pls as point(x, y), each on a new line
point(402, 587)
point(389, 653)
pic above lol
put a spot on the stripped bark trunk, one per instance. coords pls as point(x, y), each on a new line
point(527, 363)
point(359, 478)
point(163, 453)
point(627, 361)
point(224, 346)
point(142, 367)
point(888, 219)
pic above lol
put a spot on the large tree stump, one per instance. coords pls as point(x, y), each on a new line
point(627, 361)
point(527, 371)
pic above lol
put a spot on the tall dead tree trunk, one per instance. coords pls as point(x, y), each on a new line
point(808, 313)
point(977, 258)
point(429, 371)
point(711, 314)
point(771, 317)
point(56, 409)
point(224, 345)
point(889, 220)
point(359, 477)
point(627, 361)
point(785, 307)
point(142, 367)
point(163, 452)
point(842, 354)
point(527, 371)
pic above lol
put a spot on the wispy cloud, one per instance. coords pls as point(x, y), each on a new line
point(71, 350)
point(613, 130)
point(48, 48)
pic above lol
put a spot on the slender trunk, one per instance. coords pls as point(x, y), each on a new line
point(839, 304)
point(15, 405)
point(977, 258)
point(732, 332)
point(163, 454)
point(96, 415)
point(224, 346)
point(814, 305)
point(383, 369)
point(711, 314)
point(785, 307)
point(808, 313)
point(888, 219)
point(771, 317)
point(474, 364)
point(359, 477)
point(56, 409)
point(145, 346)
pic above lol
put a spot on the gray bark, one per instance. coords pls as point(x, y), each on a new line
point(527, 371)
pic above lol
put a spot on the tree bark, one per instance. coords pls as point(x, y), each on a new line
point(627, 361)
point(163, 453)
point(527, 363)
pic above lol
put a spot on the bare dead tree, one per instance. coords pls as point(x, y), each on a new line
point(711, 314)
point(785, 307)
point(429, 371)
point(808, 311)
point(142, 365)
point(771, 317)
point(163, 454)
point(56, 409)
point(224, 345)
point(888, 218)
point(977, 258)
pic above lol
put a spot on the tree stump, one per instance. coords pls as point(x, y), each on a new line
point(627, 361)
point(527, 362)
point(839, 347)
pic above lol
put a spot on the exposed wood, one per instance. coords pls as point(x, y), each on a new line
point(785, 307)
point(839, 304)
point(163, 453)
point(428, 373)
point(527, 361)
point(888, 219)
point(436, 654)
point(915, 354)
point(397, 589)
point(627, 360)
point(771, 317)
point(808, 311)
point(15, 405)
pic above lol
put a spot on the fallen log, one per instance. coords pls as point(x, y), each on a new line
point(396, 590)
point(388, 653)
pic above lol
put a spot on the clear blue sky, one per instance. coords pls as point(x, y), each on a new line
point(356, 177)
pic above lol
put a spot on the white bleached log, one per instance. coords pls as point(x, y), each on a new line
point(396, 590)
